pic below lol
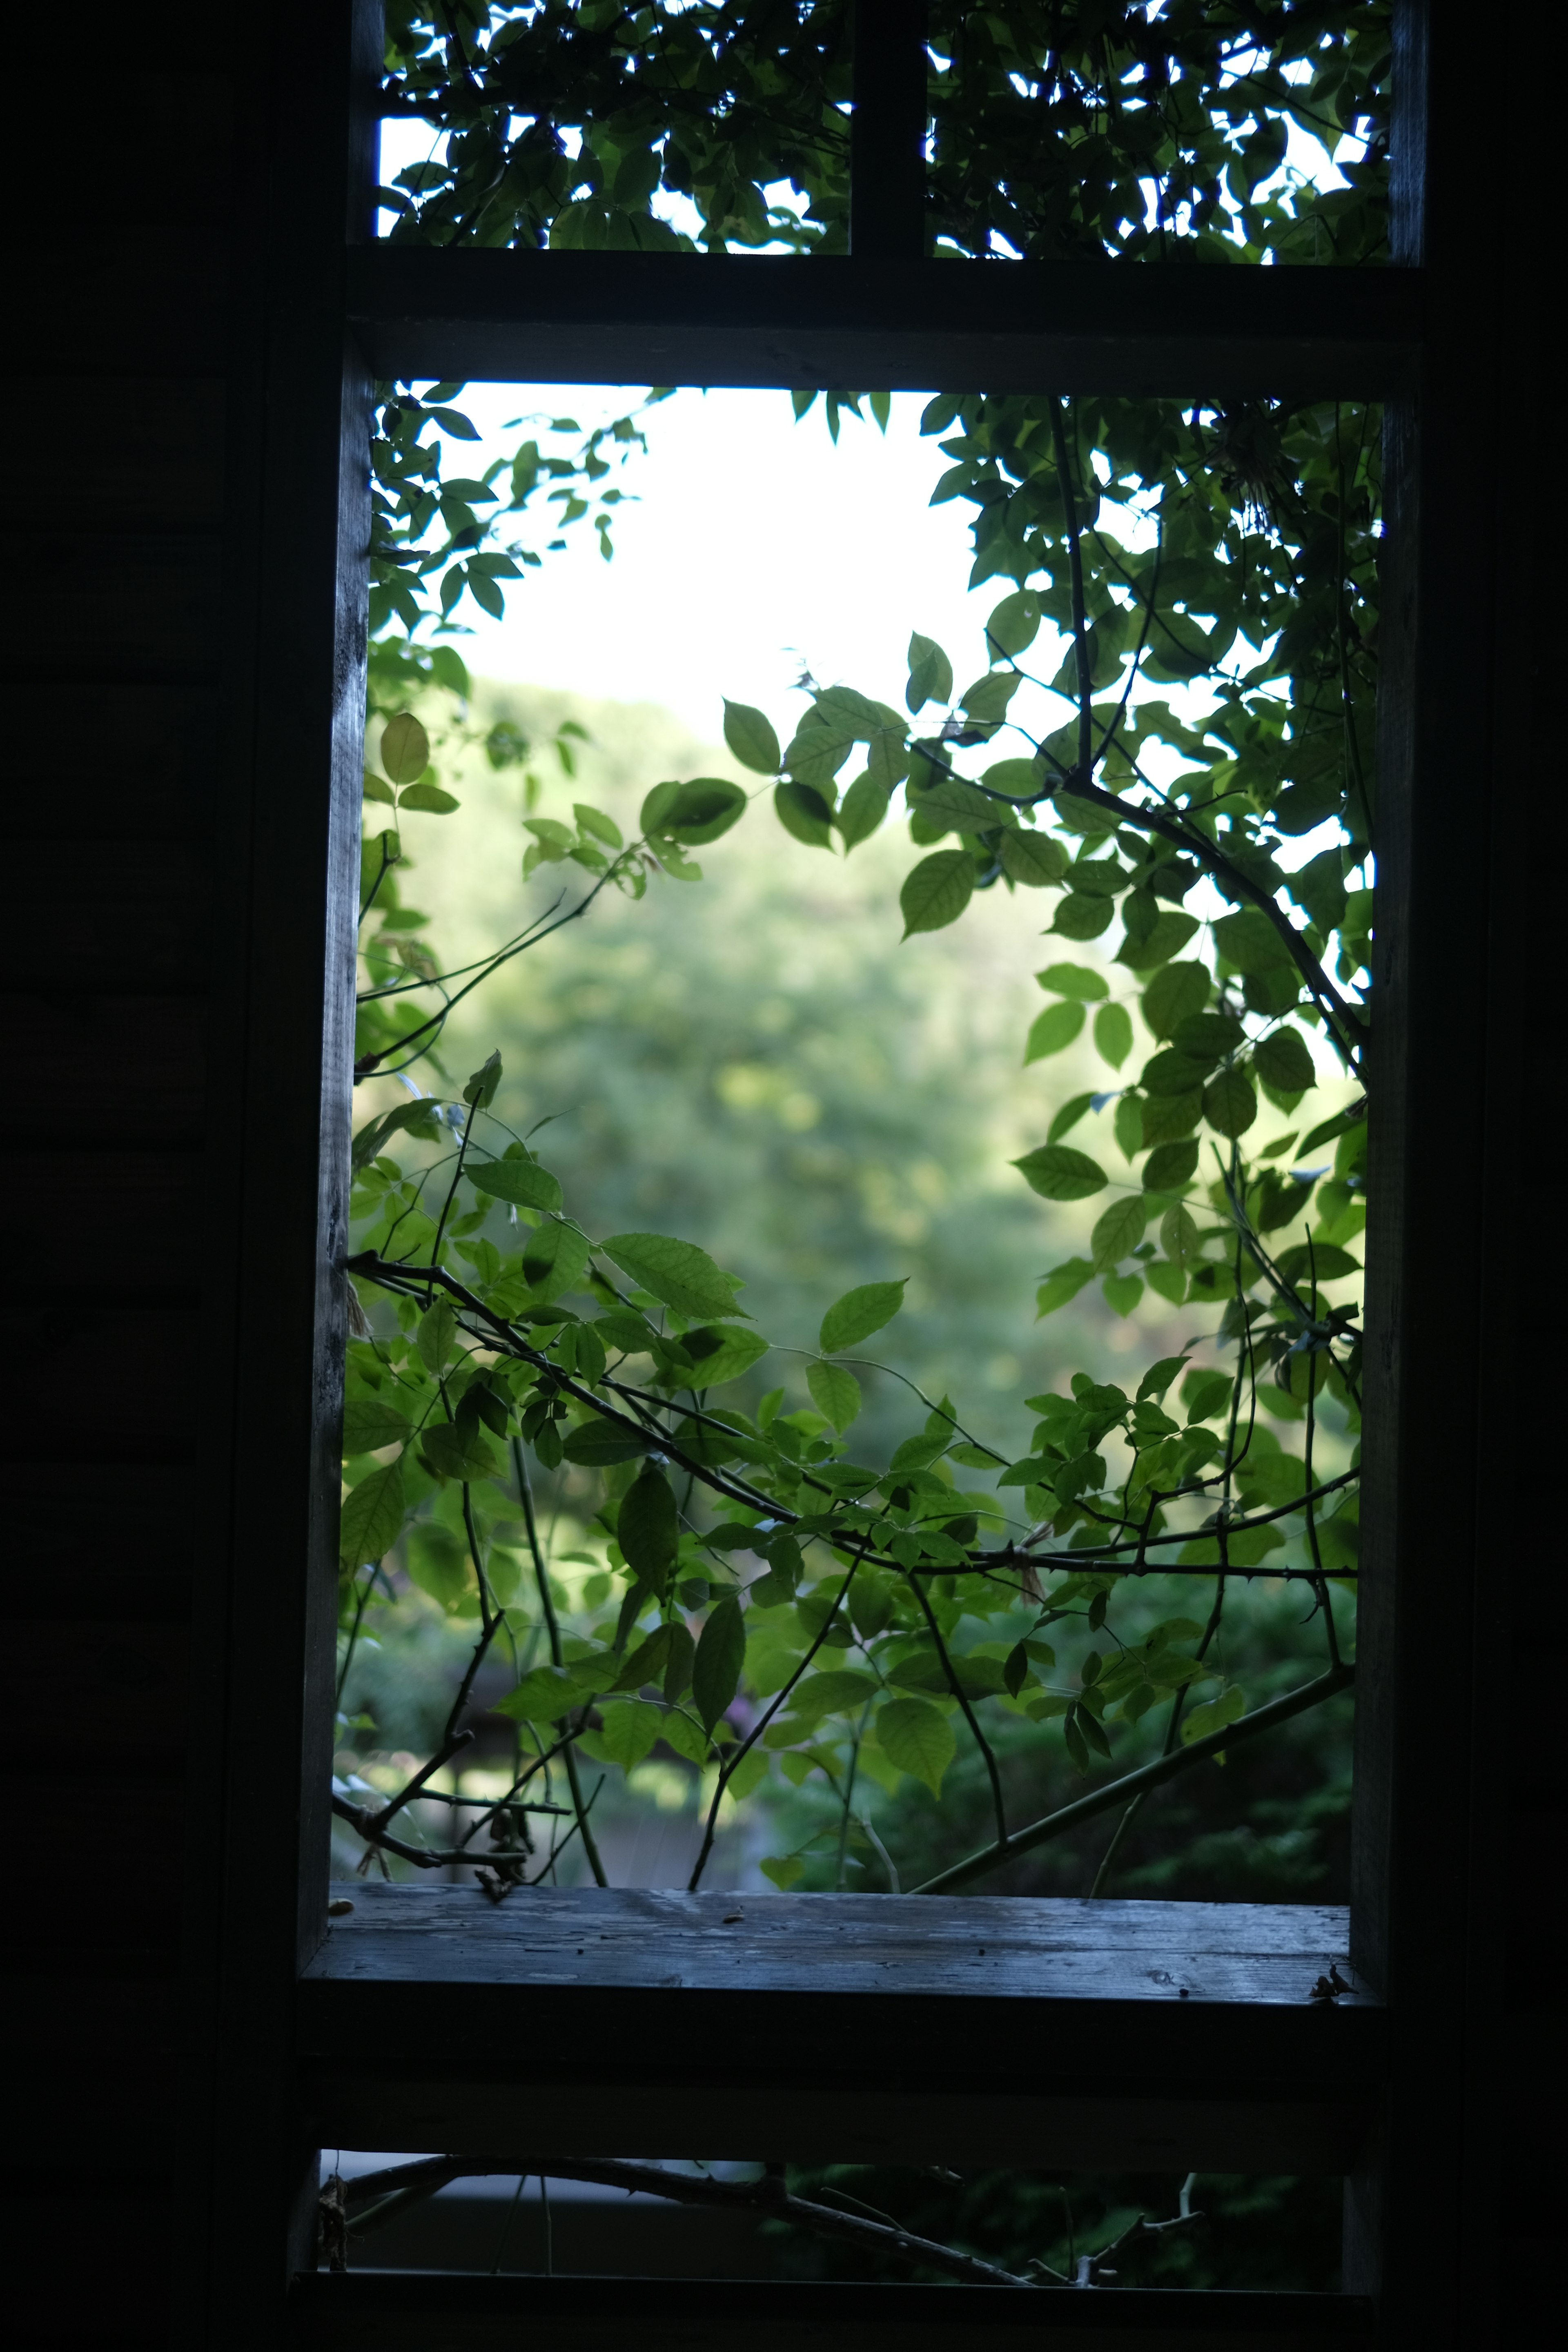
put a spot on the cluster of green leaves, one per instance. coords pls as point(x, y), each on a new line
point(1055, 131)
point(1062, 133)
point(430, 530)
point(742, 1546)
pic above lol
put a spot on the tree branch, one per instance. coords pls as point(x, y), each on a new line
point(1148, 1776)
point(389, 2191)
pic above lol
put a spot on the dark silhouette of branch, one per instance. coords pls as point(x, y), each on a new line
point(384, 2195)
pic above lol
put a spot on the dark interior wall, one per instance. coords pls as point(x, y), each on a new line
point(182, 692)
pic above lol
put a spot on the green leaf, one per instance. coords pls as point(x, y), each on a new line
point(835, 1392)
point(1170, 1165)
point(1179, 990)
point(693, 813)
point(545, 1696)
point(721, 1653)
point(914, 1735)
point(458, 1449)
point(1329, 1263)
point(862, 809)
point(930, 674)
point(597, 826)
point(1230, 1104)
point(858, 1313)
point(1032, 858)
point(1057, 1172)
point(1062, 1284)
point(721, 1352)
point(1118, 1231)
point(750, 737)
point(1079, 917)
point(986, 701)
point(405, 748)
point(1015, 623)
point(646, 1662)
point(1168, 935)
point(555, 1260)
point(1073, 980)
point(368, 1426)
point(648, 1528)
point(627, 1729)
point(1328, 1132)
point(1113, 1033)
point(1214, 1715)
point(481, 1087)
point(1121, 1292)
point(1054, 1029)
point(1164, 1117)
point(1283, 1061)
point(802, 810)
point(522, 1182)
point(679, 1273)
point(431, 799)
point(372, 1517)
point(783, 1869)
point(840, 1691)
point(1158, 1376)
point(435, 1334)
point(420, 1115)
point(1021, 779)
point(937, 892)
point(1250, 941)
point(946, 803)
point(1179, 1238)
point(1206, 1394)
point(597, 1443)
point(1167, 1280)
point(1067, 1118)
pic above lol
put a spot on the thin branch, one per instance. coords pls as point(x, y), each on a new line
point(1148, 1776)
point(389, 2192)
point(956, 1687)
point(557, 1658)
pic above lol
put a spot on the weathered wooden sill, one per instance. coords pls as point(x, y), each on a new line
point(1111, 2035)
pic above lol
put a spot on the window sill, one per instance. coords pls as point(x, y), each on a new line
point(1097, 2036)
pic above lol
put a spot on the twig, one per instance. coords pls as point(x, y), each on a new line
point(1148, 1776)
point(552, 1633)
point(390, 2192)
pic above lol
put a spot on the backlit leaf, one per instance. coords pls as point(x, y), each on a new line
point(937, 892)
point(681, 1275)
point(750, 737)
point(915, 1736)
point(835, 1392)
point(716, 1671)
point(858, 1313)
point(372, 1517)
point(1057, 1172)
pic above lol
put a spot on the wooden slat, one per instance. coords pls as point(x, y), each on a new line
point(139, 762)
point(90, 1540)
point(144, 1357)
point(137, 606)
point(118, 452)
point(394, 2311)
point(1019, 2029)
point(112, 1693)
point(107, 919)
point(1136, 327)
point(147, 1060)
point(145, 1206)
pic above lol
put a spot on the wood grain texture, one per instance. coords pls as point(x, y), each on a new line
point(866, 2026)
point(394, 2311)
point(1146, 327)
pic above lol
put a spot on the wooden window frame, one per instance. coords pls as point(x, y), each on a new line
point(357, 2038)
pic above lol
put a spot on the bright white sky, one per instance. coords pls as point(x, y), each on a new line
point(757, 546)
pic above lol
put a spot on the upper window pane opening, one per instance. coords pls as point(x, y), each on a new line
point(1170, 132)
point(987, 1488)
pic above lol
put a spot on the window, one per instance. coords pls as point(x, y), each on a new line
point(1293, 2073)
